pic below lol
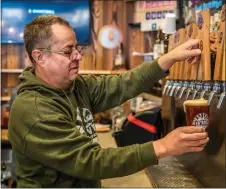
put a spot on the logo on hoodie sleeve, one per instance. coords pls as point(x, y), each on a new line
point(85, 123)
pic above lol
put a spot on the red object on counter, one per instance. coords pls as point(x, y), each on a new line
point(142, 124)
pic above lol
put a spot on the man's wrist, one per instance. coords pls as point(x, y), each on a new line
point(159, 148)
point(165, 61)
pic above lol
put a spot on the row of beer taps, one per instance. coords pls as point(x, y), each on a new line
point(195, 81)
point(195, 89)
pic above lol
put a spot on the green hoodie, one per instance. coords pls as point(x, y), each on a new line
point(52, 131)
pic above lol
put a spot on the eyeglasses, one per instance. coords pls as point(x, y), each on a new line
point(70, 53)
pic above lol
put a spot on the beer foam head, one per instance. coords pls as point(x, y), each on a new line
point(196, 102)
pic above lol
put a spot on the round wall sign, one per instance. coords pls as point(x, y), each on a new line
point(110, 36)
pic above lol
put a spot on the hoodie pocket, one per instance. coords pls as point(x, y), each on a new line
point(50, 178)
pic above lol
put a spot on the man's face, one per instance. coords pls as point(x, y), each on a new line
point(60, 67)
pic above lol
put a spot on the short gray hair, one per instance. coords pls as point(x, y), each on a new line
point(38, 32)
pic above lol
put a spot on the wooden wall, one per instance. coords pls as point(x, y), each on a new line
point(105, 13)
point(119, 13)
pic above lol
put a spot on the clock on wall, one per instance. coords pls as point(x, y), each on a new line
point(110, 36)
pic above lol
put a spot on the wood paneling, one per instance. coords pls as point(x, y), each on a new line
point(97, 17)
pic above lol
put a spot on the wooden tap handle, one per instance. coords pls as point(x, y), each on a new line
point(170, 47)
point(204, 45)
point(176, 71)
point(218, 61)
point(223, 65)
point(220, 41)
point(196, 66)
point(177, 42)
point(186, 65)
point(181, 63)
point(171, 75)
point(192, 70)
point(182, 75)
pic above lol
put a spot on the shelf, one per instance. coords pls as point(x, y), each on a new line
point(5, 98)
point(94, 72)
point(11, 70)
point(137, 25)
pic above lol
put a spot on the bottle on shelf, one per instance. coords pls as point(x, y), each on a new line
point(158, 46)
point(119, 62)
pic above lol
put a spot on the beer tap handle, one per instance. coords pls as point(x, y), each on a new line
point(165, 87)
point(221, 100)
point(182, 92)
point(220, 40)
point(219, 69)
point(171, 75)
point(194, 71)
point(212, 93)
point(168, 90)
point(170, 47)
point(192, 33)
point(176, 91)
point(177, 64)
point(176, 71)
point(223, 60)
point(190, 71)
point(223, 78)
point(182, 68)
point(172, 69)
point(203, 93)
point(224, 65)
point(168, 83)
point(172, 90)
point(194, 94)
point(171, 78)
point(179, 39)
point(218, 61)
point(204, 36)
point(188, 94)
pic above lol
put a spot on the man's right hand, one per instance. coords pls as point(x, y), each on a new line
point(181, 140)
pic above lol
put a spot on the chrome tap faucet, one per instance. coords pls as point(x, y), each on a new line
point(223, 94)
point(191, 88)
point(206, 88)
point(180, 85)
point(175, 85)
point(165, 87)
point(216, 90)
point(185, 86)
point(198, 88)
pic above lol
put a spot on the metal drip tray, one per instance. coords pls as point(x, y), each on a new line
point(171, 173)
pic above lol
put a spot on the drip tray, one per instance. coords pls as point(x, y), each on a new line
point(171, 173)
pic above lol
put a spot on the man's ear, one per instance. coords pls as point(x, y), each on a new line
point(37, 55)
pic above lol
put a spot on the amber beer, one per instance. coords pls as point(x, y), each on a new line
point(197, 112)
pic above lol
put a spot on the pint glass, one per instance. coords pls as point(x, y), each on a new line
point(197, 112)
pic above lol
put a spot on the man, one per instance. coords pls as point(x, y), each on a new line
point(51, 126)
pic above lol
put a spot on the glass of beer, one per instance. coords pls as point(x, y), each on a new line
point(197, 112)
